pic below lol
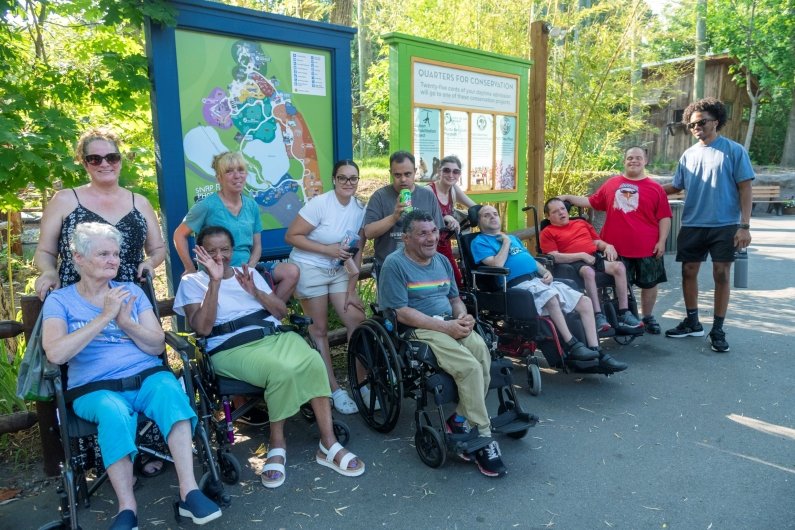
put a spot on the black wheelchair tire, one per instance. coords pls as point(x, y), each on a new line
point(342, 432)
point(430, 446)
point(533, 377)
point(230, 468)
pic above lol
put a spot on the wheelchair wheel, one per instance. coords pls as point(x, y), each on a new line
point(230, 468)
point(624, 339)
point(533, 377)
point(430, 446)
point(372, 347)
point(342, 432)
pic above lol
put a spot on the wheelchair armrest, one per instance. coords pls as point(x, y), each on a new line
point(51, 371)
point(300, 320)
point(181, 345)
point(546, 260)
point(492, 271)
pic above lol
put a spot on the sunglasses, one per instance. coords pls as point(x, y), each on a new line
point(699, 123)
point(96, 160)
point(447, 170)
point(347, 180)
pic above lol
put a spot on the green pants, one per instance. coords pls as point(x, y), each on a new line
point(468, 361)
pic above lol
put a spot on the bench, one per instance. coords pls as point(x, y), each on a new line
point(767, 194)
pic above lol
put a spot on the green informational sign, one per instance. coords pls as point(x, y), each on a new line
point(272, 102)
point(448, 100)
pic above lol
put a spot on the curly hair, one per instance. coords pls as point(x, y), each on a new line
point(95, 134)
point(711, 106)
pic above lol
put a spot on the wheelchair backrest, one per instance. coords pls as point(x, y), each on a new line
point(468, 265)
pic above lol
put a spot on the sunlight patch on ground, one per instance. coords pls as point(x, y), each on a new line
point(747, 457)
point(763, 426)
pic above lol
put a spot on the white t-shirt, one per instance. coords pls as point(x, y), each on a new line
point(233, 301)
point(331, 220)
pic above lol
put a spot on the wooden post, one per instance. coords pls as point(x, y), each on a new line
point(539, 43)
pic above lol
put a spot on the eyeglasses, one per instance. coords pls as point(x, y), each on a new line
point(347, 180)
point(447, 170)
point(96, 160)
point(700, 123)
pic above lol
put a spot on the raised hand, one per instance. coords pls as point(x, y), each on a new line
point(124, 317)
point(113, 301)
point(245, 277)
point(213, 266)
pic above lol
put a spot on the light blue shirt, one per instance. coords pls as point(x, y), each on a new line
point(711, 174)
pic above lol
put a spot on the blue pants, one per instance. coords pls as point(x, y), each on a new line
point(160, 398)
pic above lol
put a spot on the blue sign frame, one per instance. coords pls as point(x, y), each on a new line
point(219, 19)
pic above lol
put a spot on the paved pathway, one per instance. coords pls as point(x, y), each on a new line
point(686, 438)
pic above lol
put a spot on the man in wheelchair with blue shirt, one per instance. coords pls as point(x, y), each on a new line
point(418, 283)
point(494, 248)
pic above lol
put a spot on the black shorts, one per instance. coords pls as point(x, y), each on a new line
point(694, 243)
point(598, 265)
point(645, 272)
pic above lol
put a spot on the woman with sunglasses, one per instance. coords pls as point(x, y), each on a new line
point(321, 238)
point(102, 200)
point(448, 194)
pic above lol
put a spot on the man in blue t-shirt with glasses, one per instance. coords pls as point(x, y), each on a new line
point(716, 173)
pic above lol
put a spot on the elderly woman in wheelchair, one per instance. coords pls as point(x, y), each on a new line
point(235, 310)
point(111, 339)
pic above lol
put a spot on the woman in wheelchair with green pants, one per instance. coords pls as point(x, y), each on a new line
point(238, 314)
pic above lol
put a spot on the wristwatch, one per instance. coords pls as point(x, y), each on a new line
point(745, 226)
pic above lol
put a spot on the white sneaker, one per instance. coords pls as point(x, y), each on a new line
point(365, 392)
point(343, 402)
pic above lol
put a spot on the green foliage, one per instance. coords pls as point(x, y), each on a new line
point(9, 369)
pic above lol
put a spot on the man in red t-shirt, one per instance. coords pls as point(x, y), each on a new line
point(576, 242)
point(637, 224)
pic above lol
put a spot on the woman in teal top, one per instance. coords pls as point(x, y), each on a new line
point(227, 207)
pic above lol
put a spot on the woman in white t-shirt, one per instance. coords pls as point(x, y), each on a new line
point(329, 264)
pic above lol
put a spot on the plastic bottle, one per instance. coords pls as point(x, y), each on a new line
point(741, 269)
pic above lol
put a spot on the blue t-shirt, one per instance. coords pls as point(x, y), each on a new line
point(111, 354)
point(426, 288)
point(519, 260)
point(212, 212)
point(710, 174)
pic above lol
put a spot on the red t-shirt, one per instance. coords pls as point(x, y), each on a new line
point(634, 209)
point(576, 236)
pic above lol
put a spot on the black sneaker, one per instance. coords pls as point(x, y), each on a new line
point(651, 325)
point(577, 351)
point(489, 460)
point(254, 417)
point(717, 341)
point(455, 427)
point(686, 329)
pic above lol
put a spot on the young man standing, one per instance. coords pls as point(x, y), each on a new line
point(637, 224)
point(716, 173)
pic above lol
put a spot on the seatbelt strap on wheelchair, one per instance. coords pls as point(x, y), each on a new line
point(265, 328)
point(523, 278)
point(133, 382)
point(252, 319)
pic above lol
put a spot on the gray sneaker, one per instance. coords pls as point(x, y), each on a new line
point(601, 322)
point(628, 321)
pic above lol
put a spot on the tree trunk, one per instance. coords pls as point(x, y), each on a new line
point(342, 12)
point(788, 156)
point(17, 421)
point(749, 134)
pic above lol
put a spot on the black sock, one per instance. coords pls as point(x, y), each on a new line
point(692, 316)
point(572, 341)
point(717, 322)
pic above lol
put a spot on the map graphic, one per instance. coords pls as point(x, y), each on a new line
point(256, 98)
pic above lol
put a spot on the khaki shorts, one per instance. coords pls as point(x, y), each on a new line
point(318, 281)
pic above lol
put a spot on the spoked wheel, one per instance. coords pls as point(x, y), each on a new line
point(372, 348)
point(533, 377)
point(430, 446)
point(624, 339)
point(229, 467)
point(342, 432)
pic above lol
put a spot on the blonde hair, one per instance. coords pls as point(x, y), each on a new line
point(222, 162)
point(103, 134)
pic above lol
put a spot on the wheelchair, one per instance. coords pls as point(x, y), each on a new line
point(215, 409)
point(398, 366)
point(81, 452)
point(606, 289)
point(511, 313)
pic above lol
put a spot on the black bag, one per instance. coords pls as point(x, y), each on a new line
point(31, 383)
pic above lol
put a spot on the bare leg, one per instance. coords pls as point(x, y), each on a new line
point(588, 275)
point(351, 318)
point(648, 297)
point(285, 278)
point(585, 310)
point(322, 409)
point(556, 314)
point(179, 443)
point(690, 284)
point(276, 440)
point(617, 270)
point(720, 273)
point(317, 309)
point(122, 480)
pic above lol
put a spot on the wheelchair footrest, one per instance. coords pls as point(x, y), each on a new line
point(513, 421)
point(467, 443)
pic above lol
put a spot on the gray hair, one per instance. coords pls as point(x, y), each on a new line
point(86, 234)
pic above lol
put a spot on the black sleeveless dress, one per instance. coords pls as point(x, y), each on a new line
point(133, 230)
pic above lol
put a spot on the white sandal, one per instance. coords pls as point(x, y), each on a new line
point(341, 468)
point(274, 466)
